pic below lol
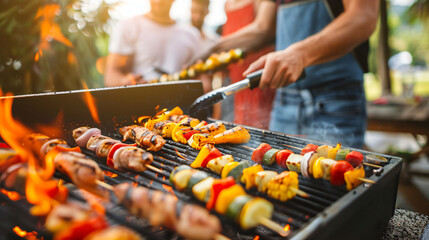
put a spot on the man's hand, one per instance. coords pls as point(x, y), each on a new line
point(281, 68)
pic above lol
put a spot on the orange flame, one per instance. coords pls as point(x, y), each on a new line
point(19, 231)
point(90, 102)
point(22, 233)
point(287, 227)
point(49, 29)
point(256, 237)
point(94, 202)
point(110, 174)
point(141, 118)
point(14, 196)
point(170, 190)
point(39, 190)
point(180, 155)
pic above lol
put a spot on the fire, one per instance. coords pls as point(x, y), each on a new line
point(170, 190)
point(287, 228)
point(39, 190)
point(141, 118)
point(19, 231)
point(94, 202)
point(256, 237)
point(90, 102)
point(14, 196)
point(22, 233)
point(110, 174)
point(180, 155)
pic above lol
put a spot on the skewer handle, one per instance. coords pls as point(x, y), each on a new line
point(367, 180)
point(155, 169)
point(292, 146)
point(273, 226)
point(104, 185)
point(299, 192)
point(250, 148)
point(372, 165)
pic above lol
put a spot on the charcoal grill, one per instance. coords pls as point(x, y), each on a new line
point(329, 213)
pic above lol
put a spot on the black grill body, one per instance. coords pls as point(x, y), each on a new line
point(329, 213)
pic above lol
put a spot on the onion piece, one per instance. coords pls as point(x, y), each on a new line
point(83, 140)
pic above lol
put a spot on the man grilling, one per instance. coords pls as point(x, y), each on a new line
point(322, 37)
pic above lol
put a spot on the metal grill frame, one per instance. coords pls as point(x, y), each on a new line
point(359, 214)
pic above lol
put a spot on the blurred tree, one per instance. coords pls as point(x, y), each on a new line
point(50, 45)
point(419, 10)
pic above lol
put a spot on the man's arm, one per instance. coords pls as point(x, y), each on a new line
point(254, 35)
point(349, 29)
point(118, 71)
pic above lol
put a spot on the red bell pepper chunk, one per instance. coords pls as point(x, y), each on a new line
point(282, 156)
point(214, 153)
point(354, 158)
point(80, 230)
point(309, 148)
point(4, 145)
point(338, 170)
point(259, 152)
point(189, 134)
point(217, 187)
point(112, 151)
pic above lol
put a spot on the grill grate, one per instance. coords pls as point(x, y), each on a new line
point(297, 212)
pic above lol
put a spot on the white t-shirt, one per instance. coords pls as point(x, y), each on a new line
point(153, 45)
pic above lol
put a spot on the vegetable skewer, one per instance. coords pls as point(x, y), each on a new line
point(226, 197)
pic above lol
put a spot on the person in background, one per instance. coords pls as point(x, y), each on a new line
point(325, 38)
point(143, 47)
point(199, 11)
point(251, 107)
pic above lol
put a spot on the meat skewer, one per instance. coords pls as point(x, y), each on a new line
point(118, 155)
point(143, 137)
point(161, 209)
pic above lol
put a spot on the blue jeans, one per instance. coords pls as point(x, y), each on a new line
point(329, 114)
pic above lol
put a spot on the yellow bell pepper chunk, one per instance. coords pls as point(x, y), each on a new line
point(204, 152)
point(227, 168)
point(317, 168)
point(352, 177)
point(236, 135)
point(333, 152)
point(249, 175)
point(226, 196)
point(175, 111)
point(168, 129)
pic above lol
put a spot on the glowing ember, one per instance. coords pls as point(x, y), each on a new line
point(22, 233)
point(14, 196)
point(170, 190)
point(163, 178)
point(290, 220)
point(110, 174)
point(91, 104)
point(180, 155)
point(256, 237)
point(287, 227)
point(19, 231)
point(135, 184)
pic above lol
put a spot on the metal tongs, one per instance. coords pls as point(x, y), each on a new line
point(205, 101)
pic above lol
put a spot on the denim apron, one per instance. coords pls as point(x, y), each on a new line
point(329, 105)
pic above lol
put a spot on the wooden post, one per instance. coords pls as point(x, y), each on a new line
point(383, 51)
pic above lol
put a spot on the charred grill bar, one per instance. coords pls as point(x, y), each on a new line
point(329, 213)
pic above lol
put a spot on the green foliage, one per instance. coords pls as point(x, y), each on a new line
point(32, 61)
